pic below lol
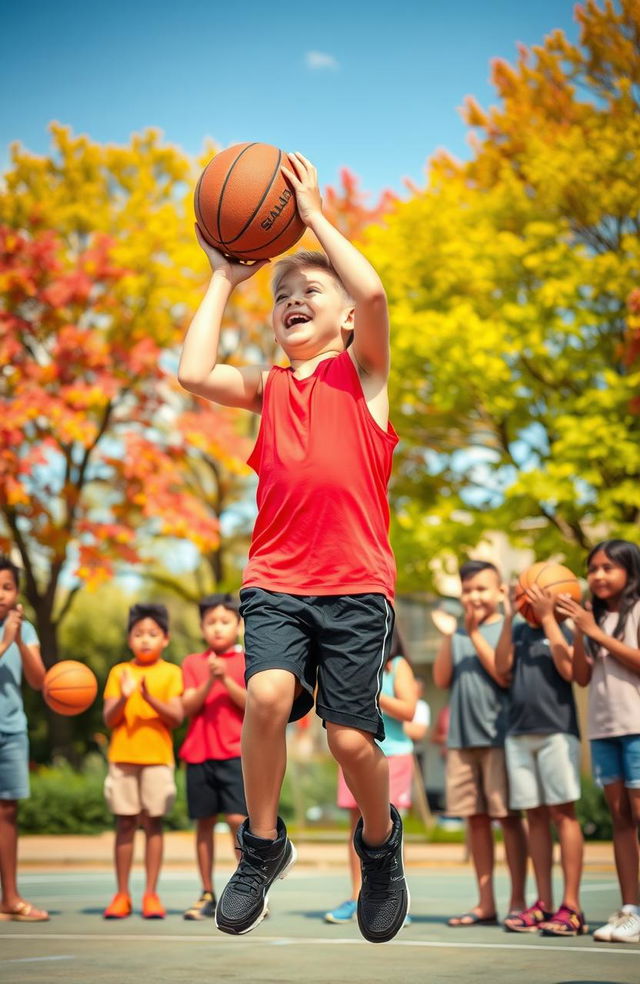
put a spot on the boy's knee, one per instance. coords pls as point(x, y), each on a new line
point(348, 744)
point(127, 824)
point(270, 695)
point(9, 810)
point(561, 812)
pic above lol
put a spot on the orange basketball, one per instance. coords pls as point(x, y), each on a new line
point(245, 206)
point(554, 578)
point(69, 687)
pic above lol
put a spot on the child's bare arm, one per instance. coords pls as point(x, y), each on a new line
point(544, 604)
point(371, 317)
point(199, 371)
point(582, 662)
point(443, 664)
point(402, 706)
point(504, 648)
point(584, 620)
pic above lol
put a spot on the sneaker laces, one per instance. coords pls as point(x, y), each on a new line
point(250, 874)
point(628, 920)
point(376, 874)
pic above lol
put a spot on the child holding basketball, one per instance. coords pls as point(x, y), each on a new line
point(543, 758)
point(607, 659)
point(476, 774)
point(318, 589)
point(214, 699)
point(19, 656)
point(141, 705)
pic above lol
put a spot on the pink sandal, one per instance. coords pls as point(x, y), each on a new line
point(529, 921)
point(565, 922)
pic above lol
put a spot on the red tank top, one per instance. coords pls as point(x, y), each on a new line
point(323, 466)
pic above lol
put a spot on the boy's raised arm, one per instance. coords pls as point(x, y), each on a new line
point(371, 317)
point(199, 371)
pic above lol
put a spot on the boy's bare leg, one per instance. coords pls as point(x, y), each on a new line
point(571, 850)
point(9, 853)
point(366, 772)
point(123, 850)
point(625, 837)
point(515, 849)
point(541, 853)
point(153, 851)
point(205, 850)
point(234, 820)
point(270, 695)
point(481, 848)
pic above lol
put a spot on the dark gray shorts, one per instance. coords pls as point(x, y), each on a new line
point(338, 642)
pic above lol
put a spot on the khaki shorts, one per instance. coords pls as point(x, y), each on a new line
point(477, 782)
point(132, 789)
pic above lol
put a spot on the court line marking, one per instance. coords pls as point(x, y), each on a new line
point(62, 956)
point(629, 951)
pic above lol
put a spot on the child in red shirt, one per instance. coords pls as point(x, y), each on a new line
point(214, 699)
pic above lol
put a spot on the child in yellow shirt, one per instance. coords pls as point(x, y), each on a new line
point(141, 706)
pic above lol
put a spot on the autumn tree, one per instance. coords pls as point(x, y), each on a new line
point(512, 281)
point(96, 440)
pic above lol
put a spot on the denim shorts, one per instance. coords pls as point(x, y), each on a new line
point(615, 759)
point(14, 766)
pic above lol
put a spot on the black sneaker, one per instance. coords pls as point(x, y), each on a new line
point(204, 908)
point(243, 903)
point(384, 897)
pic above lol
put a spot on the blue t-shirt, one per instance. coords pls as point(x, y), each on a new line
point(478, 706)
point(13, 720)
point(396, 742)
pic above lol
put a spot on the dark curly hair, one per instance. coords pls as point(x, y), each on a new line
point(627, 555)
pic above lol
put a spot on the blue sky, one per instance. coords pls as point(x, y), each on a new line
point(370, 85)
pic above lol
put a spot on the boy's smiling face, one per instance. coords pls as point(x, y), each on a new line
point(310, 313)
point(482, 593)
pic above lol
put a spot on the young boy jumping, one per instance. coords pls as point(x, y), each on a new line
point(318, 589)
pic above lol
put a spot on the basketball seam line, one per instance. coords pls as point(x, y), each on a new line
point(200, 216)
point(224, 185)
point(229, 242)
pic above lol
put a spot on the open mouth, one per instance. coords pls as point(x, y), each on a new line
point(296, 319)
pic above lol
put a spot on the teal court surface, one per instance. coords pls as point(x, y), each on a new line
point(294, 944)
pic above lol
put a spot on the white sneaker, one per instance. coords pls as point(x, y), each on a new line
point(603, 933)
point(627, 930)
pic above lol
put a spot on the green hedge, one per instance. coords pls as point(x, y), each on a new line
point(66, 802)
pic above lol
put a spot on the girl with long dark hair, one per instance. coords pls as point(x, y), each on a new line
point(607, 657)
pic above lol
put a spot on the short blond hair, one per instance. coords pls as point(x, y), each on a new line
point(302, 260)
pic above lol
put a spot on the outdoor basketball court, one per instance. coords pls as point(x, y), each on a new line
point(77, 946)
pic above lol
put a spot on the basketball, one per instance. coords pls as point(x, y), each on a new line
point(245, 206)
point(69, 687)
point(554, 578)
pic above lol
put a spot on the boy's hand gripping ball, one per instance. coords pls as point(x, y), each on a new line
point(554, 578)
